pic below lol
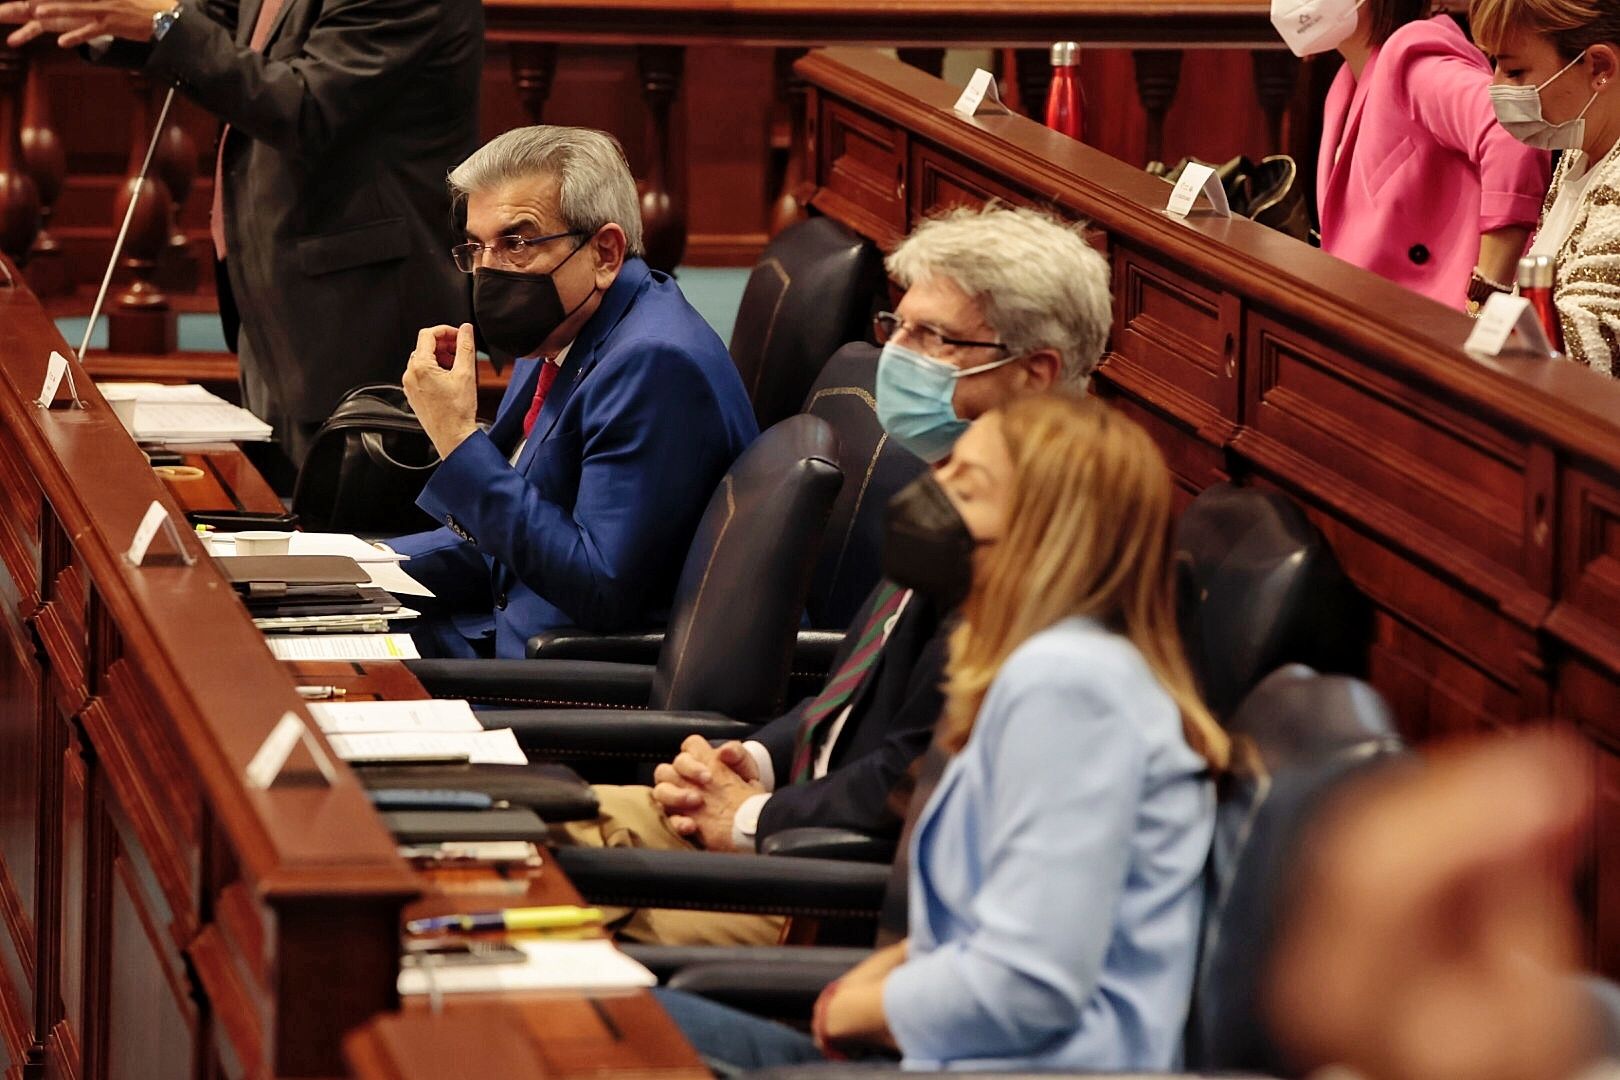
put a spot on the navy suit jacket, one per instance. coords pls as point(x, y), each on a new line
point(890, 724)
point(591, 526)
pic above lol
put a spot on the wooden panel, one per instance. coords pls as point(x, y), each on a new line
point(938, 181)
point(1175, 343)
point(150, 1021)
point(861, 162)
point(72, 862)
point(21, 820)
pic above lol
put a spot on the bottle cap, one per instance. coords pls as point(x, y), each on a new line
point(1065, 53)
point(1536, 272)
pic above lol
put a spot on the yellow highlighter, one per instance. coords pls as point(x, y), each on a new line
point(560, 917)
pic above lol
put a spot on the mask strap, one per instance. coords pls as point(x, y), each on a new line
point(1560, 71)
point(991, 366)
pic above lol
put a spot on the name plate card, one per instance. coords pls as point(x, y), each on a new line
point(156, 519)
point(55, 368)
point(1507, 320)
point(272, 754)
point(980, 98)
point(1197, 180)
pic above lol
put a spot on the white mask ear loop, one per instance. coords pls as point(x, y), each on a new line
point(1560, 71)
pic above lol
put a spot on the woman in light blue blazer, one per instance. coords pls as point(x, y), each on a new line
point(1057, 869)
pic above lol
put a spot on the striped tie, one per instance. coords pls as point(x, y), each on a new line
point(842, 686)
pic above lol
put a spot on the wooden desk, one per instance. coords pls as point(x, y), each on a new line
point(1477, 503)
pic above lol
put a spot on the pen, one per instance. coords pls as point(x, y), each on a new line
point(565, 916)
point(320, 693)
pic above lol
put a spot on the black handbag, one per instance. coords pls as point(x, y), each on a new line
point(1266, 191)
point(366, 466)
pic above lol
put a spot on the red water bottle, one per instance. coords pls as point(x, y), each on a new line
point(1535, 279)
point(1063, 101)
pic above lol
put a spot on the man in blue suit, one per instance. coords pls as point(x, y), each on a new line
point(577, 506)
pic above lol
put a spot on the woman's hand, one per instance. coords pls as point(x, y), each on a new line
point(849, 1013)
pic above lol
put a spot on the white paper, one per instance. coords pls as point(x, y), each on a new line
point(481, 747)
point(980, 96)
point(390, 576)
point(55, 368)
point(156, 514)
point(186, 421)
point(355, 717)
point(342, 647)
point(158, 392)
point(316, 543)
point(593, 964)
point(1503, 319)
point(1197, 180)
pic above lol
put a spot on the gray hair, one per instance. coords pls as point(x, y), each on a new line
point(1038, 282)
point(593, 179)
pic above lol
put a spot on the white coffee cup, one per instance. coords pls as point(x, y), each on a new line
point(263, 542)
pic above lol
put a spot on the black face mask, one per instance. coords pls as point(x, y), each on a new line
point(926, 545)
point(515, 311)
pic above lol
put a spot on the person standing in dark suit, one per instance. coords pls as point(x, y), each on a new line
point(1000, 303)
point(330, 216)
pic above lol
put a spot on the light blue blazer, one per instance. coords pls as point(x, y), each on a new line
point(1057, 872)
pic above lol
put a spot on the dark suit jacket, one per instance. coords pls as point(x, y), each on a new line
point(337, 216)
point(592, 525)
point(889, 726)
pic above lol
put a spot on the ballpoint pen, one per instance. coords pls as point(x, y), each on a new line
point(320, 693)
point(562, 917)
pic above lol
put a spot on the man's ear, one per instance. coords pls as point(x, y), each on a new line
point(608, 248)
point(1042, 370)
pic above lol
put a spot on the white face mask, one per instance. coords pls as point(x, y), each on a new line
point(1518, 109)
point(1314, 26)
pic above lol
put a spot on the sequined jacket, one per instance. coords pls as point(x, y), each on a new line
point(1587, 289)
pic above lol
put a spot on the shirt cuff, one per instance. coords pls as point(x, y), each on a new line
point(746, 822)
point(762, 764)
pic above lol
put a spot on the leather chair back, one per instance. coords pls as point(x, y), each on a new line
point(1299, 737)
point(1259, 587)
point(876, 467)
point(740, 597)
point(813, 289)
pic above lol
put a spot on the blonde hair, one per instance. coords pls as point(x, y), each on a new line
point(1572, 26)
point(1088, 533)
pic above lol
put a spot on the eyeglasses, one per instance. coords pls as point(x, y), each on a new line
point(886, 324)
point(514, 251)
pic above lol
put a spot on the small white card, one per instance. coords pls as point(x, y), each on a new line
point(156, 515)
point(55, 368)
point(1507, 319)
point(272, 754)
point(980, 98)
point(499, 747)
point(1198, 180)
point(361, 717)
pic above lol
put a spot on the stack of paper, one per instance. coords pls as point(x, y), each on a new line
point(595, 964)
point(342, 647)
point(356, 717)
point(476, 747)
point(380, 563)
point(185, 413)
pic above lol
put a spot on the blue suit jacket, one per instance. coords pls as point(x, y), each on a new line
point(591, 526)
point(1057, 872)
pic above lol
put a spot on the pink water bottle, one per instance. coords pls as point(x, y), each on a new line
point(1063, 101)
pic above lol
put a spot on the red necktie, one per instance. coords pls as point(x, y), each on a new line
point(268, 10)
point(816, 720)
point(548, 375)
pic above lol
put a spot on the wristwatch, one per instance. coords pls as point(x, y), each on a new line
point(162, 20)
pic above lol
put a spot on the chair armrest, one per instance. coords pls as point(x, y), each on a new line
point(704, 881)
point(636, 735)
point(813, 651)
point(537, 683)
point(784, 987)
point(571, 643)
point(665, 961)
point(813, 842)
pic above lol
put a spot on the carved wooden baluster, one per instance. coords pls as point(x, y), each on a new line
point(140, 319)
point(19, 199)
point(46, 163)
point(788, 209)
point(930, 60)
point(1034, 74)
point(663, 192)
point(176, 162)
point(1276, 72)
point(533, 68)
point(1158, 71)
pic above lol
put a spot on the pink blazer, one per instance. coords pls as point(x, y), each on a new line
point(1414, 167)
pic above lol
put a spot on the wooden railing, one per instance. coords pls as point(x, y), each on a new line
point(1475, 502)
point(159, 917)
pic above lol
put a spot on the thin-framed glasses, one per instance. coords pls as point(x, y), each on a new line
point(926, 339)
point(514, 251)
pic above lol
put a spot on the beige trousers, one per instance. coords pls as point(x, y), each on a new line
point(630, 817)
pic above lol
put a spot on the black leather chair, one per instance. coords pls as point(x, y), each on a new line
point(875, 468)
point(814, 288)
point(1259, 587)
point(732, 626)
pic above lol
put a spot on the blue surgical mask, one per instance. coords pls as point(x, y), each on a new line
point(914, 395)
